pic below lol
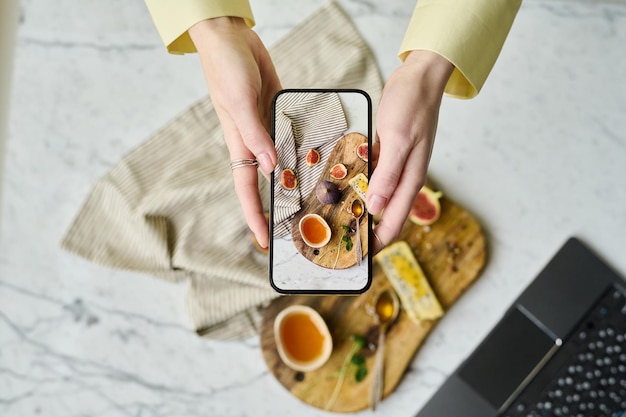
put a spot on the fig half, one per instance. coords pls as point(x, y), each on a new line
point(312, 157)
point(339, 171)
point(362, 151)
point(288, 179)
point(426, 207)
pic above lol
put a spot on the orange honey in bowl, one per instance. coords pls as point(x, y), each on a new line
point(302, 338)
point(314, 230)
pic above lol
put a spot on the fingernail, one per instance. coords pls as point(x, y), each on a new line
point(264, 243)
point(266, 164)
point(375, 204)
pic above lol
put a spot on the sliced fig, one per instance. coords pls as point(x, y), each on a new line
point(288, 179)
point(327, 192)
point(312, 157)
point(426, 208)
point(338, 171)
point(362, 151)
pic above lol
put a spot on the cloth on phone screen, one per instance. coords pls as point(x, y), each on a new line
point(303, 121)
point(169, 209)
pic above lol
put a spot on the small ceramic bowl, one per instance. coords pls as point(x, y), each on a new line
point(302, 338)
point(314, 230)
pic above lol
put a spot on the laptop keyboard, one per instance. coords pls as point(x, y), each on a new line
point(587, 375)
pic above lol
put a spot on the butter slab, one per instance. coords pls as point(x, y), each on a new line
point(359, 185)
point(408, 279)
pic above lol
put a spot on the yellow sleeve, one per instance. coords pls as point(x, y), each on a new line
point(468, 33)
point(174, 17)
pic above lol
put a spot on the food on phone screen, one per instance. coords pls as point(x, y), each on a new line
point(362, 151)
point(359, 185)
point(288, 179)
point(312, 157)
point(327, 192)
point(314, 230)
point(338, 171)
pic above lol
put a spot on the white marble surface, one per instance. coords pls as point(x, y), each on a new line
point(540, 155)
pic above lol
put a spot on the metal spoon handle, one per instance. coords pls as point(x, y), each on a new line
point(378, 379)
point(359, 248)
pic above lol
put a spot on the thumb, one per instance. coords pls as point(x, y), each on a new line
point(385, 177)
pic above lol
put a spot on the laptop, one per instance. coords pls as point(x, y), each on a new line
point(559, 350)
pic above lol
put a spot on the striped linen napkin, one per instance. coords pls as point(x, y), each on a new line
point(169, 209)
point(304, 121)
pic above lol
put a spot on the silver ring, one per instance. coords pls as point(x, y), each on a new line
point(239, 163)
point(378, 239)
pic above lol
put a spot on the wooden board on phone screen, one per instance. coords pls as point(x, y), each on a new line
point(452, 254)
point(336, 215)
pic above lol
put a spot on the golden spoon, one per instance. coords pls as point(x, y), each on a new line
point(357, 212)
point(386, 308)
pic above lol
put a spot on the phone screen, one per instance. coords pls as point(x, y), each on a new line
point(320, 230)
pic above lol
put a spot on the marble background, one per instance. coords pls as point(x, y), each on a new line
point(538, 156)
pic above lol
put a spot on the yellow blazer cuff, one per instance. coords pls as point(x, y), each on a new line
point(174, 17)
point(468, 33)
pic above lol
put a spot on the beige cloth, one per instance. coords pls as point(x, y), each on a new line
point(168, 208)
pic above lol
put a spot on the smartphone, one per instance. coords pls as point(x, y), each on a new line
point(320, 229)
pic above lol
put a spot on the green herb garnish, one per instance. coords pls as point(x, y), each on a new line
point(353, 358)
point(348, 241)
point(360, 373)
point(346, 237)
point(359, 339)
point(357, 360)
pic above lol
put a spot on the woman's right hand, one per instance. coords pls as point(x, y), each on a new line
point(406, 124)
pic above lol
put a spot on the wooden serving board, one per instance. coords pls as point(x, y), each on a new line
point(336, 215)
point(452, 254)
